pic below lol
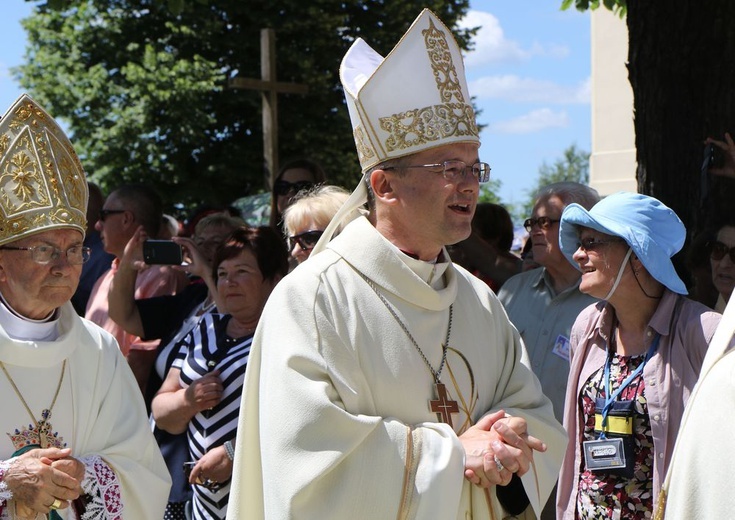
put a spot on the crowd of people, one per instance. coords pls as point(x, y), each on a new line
point(375, 354)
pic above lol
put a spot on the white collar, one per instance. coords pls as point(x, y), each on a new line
point(26, 329)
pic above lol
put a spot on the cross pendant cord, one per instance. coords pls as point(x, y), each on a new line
point(44, 417)
point(442, 406)
point(436, 373)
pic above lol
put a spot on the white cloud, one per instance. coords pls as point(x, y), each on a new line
point(526, 90)
point(491, 45)
point(534, 121)
point(551, 50)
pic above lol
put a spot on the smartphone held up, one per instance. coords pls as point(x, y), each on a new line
point(162, 252)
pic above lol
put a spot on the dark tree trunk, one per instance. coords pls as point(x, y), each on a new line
point(682, 70)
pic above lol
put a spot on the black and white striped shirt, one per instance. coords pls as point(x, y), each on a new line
point(206, 348)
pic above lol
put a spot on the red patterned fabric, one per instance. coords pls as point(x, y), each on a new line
point(611, 496)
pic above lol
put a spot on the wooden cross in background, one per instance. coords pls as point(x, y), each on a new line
point(270, 88)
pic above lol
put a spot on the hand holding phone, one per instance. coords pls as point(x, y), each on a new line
point(162, 252)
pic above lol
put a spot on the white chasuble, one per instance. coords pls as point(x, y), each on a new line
point(698, 481)
point(335, 420)
point(99, 414)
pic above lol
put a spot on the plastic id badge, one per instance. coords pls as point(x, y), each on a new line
point(604, 454)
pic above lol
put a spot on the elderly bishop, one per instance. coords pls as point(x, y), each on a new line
point(74, 438)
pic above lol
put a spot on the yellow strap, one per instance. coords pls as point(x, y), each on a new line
point(619, 425)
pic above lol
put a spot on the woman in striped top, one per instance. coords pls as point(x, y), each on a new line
point(202, 391)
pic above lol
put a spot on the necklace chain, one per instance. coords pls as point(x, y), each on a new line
point(436, 373)
point(28, 409)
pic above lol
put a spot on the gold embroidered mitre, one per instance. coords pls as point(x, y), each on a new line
point(42, 183)
point(413, 100)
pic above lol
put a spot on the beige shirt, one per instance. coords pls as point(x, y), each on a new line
point(544, 320)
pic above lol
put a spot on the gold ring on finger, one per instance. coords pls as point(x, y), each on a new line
point(56, 504)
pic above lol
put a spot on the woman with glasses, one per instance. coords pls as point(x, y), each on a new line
point(635, 356)
point(722, 261)
point(293, 177)
point(202, 390)
point(307, 217)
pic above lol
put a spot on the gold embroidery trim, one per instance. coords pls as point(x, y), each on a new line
point(445, 74)
point(425, 125)
point(466, 407)
point(413, 455)
point(365, 151)
point(454, 117)
point(42, 183)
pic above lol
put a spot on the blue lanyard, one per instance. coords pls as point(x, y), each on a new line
point(612, 396)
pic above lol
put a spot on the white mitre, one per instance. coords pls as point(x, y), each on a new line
point(414, 99)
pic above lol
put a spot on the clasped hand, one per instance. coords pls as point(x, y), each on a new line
point(498, 439)
point(41, 476)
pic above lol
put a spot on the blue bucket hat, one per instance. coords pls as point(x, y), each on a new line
point(650, 228)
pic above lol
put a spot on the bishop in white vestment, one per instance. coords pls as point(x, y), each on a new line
point(385, 382)
point(75, 442)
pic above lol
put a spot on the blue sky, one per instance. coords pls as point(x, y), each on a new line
point(529, 73)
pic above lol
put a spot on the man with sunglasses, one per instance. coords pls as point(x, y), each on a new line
point(74, 437)
point(100, 260)
point(384, 381)
point(126, 209)
point(543, 303)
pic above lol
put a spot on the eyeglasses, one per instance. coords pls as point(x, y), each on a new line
point(718, 250)
point(453, 169)
point(306, 240)
point(75, 255)
point(285, 187)
point(104, 213)
point(543, 222)
point(593, 244)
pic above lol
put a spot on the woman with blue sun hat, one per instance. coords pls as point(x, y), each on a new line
point(635, 356)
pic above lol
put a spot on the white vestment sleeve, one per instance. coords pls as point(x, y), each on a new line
point(112, 424)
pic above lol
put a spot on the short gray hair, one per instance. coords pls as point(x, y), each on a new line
point(569, 192)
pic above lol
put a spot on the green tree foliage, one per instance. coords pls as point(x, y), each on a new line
point(141, 85)
point(573, 166)
point(680, 68)
point(489, 192)
point(618, 6)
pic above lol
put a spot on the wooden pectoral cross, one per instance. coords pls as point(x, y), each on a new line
point(443, 407)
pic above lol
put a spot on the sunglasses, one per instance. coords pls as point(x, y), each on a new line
point(593, 244)
point(285, 187)
point(543, 222)
point(718, 250)
point(306, 240)
point(104, 213)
